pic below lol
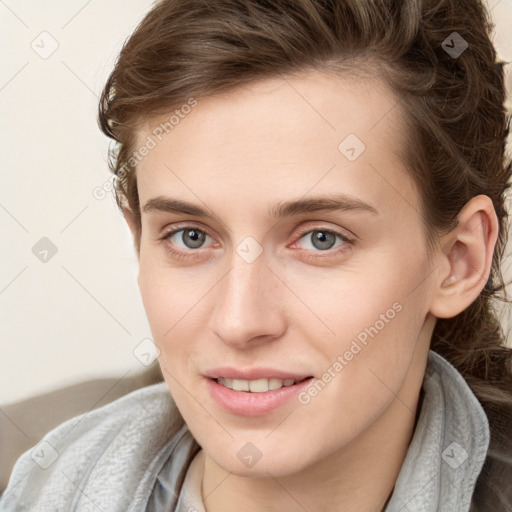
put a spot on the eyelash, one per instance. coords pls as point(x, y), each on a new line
point(348, 242)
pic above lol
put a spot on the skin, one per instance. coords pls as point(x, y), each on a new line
point(240, 153)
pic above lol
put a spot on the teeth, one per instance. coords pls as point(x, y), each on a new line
point(240, 385)
point(258, 386)
point(275, 383)
point(255, 386)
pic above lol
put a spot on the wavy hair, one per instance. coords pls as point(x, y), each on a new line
point(453, 106)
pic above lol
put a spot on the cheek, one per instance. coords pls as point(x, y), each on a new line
point(382, 295)
point(372, 322)
point(364, 368)
point(174, 302)
point(167, 294)
point(163, 300)
point(159, 301)
point(165, 307)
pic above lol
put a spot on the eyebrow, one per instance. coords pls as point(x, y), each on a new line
point(330, 203)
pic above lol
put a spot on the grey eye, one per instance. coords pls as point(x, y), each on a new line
point(192, 238)
point(322, 239)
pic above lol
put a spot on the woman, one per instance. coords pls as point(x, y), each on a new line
point(316, 194)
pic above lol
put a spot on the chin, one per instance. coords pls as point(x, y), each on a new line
point(262, 469)
point(259, 459)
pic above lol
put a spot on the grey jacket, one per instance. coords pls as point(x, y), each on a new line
point(132, 455)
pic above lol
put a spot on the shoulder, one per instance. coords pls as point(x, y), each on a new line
point(114, 443)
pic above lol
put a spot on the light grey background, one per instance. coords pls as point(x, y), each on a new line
point(77, 315)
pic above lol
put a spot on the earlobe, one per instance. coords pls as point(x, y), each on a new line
point(130, 219)
point(466, 258)
point(133, 222)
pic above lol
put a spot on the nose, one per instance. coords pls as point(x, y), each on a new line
point(249, 304)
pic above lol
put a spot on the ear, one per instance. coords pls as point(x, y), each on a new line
point(133, 223)
point(465, 259)
point(130, 219)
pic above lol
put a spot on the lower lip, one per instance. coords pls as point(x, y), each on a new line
point(246, 403)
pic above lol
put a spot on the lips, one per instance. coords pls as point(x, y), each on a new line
point(254, 374)
point(255, 391)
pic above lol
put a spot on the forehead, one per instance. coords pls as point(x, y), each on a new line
point(331, 104)
point(293, 134)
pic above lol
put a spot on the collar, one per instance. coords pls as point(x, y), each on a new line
point(448, 448)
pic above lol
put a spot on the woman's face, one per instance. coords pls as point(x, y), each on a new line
point(266, 285)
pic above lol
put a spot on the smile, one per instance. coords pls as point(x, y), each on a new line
point(257, 385)
point(254, 397)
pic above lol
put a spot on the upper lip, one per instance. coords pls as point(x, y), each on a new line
point(253, 374)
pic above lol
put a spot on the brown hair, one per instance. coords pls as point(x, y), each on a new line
point(453, 104)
